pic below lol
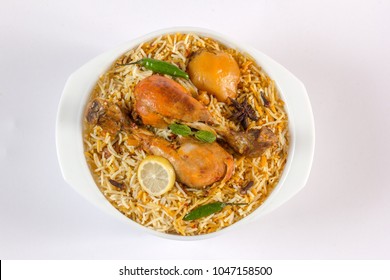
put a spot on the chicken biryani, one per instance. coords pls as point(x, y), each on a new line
point(185, 135)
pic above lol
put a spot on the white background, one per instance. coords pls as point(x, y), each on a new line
point(339, 49)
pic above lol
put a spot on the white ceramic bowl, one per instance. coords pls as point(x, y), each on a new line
point(80, 84)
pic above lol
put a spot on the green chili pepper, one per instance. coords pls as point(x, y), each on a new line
point(207, 209)
point(161, 67)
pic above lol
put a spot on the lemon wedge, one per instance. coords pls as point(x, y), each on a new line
point(156, 175)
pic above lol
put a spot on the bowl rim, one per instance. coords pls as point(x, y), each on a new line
point(71, 111)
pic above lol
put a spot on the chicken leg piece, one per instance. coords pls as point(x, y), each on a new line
point(161, 101)
point(196, 164)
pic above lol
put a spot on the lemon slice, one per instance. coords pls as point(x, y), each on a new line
point(156, 175)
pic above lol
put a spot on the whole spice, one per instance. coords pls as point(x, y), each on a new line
point(207, 209)
point(161, 67)
point(117, 184)
point(243, 111)
point(265, 100)
point(184, 130)
point(245, 189)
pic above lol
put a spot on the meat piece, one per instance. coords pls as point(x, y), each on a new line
point(215, 72)
point(196, 164)
point(251, 143)
point(160, 101)
point(109, 116)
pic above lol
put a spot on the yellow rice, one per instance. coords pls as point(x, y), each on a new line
point(117, 159)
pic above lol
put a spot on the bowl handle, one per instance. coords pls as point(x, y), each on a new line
point(302, 139)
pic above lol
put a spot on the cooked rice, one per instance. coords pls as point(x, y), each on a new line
point(117, 158)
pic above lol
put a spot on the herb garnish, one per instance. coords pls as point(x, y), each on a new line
point(184, 130)
point(180, 129)
point(205, 136)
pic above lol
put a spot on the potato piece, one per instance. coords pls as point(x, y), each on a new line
point(215, 72)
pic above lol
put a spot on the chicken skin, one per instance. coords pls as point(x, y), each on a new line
point(161, 101)
point(196, 164)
